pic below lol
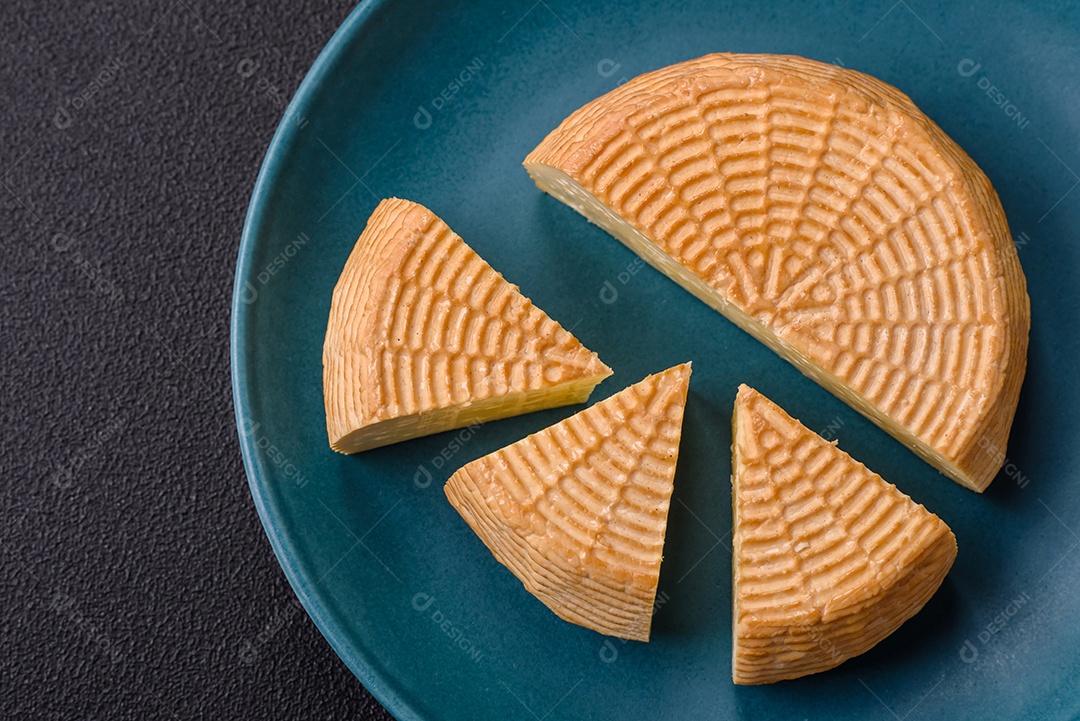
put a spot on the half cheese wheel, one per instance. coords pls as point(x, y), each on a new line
point(424, 336)
point(579, 510)
point(822, 212)
point(829, 559)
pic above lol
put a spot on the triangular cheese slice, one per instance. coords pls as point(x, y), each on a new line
point(579, 510)
point(822, 212)
point(829, 559)
point(424, 336)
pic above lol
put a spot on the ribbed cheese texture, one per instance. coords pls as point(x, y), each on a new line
point(821, 211)
point(578, 511)
point(424, 336)
point(828, 558)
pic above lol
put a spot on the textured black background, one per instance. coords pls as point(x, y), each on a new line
point(137, 582)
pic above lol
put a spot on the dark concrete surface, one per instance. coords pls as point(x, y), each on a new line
point(137, 581)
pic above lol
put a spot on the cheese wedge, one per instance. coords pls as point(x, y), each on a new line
point(579, 510)
point(822, 212)
point(828, 559)
point(424, 336)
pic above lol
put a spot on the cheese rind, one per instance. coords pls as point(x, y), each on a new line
point(822, 212)
point(578, 511)
point(828, 558)
point(424, 336)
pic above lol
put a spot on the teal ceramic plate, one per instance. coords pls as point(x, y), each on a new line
point(439, 103)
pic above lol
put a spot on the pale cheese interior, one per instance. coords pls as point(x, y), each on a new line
point(401, 428)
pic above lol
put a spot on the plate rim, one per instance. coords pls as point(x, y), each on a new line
point(356, 657)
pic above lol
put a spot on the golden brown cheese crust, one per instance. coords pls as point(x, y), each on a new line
point(420, 323)
point(578, 511)
point(829, 559)
point(823, 212)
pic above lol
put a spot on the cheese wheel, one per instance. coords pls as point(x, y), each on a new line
point(425, 336)
point(822, 212)
point(828, 558)
point(578, 511)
